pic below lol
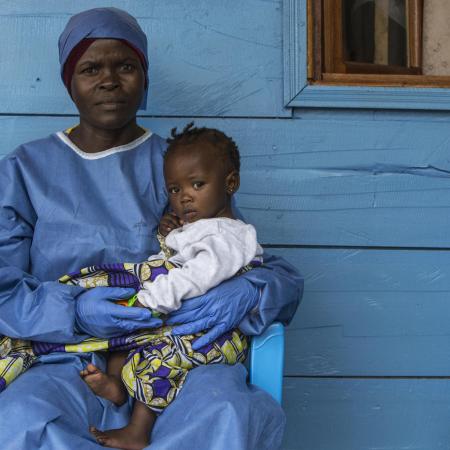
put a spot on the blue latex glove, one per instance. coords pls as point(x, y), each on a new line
point(98, 316)
point(219, 310)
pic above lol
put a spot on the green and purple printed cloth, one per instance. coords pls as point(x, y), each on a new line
point(157, 363)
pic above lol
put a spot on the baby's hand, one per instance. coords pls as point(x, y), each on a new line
point(169, 222)
point(138, 304)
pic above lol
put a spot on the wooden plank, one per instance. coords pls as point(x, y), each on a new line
point(317, 181)
point(370, 313)
point(216, 59)
point(366, 414)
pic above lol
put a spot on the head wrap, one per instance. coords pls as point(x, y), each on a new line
point(106, 23)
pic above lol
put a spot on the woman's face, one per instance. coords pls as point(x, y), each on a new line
point(108, 84)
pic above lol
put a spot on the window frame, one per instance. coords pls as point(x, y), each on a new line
point(410, 93)
point(331, 59)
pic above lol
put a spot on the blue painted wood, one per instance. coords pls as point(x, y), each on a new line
point(372, 97)
point(327, 177)
point(294, 48)
point(386, 414)
point(370, 313)
point(299, 94)
point(315, 181)
point(212, 60)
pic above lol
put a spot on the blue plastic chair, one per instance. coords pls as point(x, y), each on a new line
point(267, 359)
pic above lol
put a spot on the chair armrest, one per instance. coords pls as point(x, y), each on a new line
point(267, 359)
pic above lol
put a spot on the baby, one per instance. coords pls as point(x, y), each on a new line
point(202, 240)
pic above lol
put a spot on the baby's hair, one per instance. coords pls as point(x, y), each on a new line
point(218, 139)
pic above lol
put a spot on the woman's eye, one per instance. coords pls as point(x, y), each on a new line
point(89, 70)
point(198, 184)
point(127, 67)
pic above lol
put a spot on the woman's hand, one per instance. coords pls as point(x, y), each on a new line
point(96, 313)
point(219, 310)
point(169, 222)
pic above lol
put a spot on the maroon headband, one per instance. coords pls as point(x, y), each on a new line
point(79, 50)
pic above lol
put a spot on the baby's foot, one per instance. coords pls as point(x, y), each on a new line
point(127, 438)
point(104, 385)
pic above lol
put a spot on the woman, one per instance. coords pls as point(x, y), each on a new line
point(94, 195)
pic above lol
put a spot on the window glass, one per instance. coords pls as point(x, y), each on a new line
point(375, 31)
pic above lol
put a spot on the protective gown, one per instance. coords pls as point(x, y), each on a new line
point(62, 209)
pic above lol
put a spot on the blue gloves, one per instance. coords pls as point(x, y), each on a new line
point(98, 316)
point(219, 310)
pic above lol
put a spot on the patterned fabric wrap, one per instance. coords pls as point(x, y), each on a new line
point(158, 362)
point(16, 356)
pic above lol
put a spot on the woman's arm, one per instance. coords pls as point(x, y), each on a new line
point(48, 311)
point(29, 309)
point(251, 301)
point(281, 288)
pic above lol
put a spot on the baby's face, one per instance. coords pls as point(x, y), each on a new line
point(197, 183)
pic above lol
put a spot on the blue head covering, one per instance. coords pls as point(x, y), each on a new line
point(106, 23)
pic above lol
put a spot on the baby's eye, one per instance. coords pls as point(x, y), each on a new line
point(198, 184)
point(173, 190)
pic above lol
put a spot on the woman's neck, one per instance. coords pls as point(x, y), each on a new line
point(93, 140)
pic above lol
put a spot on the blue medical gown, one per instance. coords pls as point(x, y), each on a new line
point(62, 209)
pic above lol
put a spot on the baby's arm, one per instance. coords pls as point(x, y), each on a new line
point(211, 259)
point(169, 221)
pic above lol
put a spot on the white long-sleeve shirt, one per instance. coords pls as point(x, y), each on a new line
point(207, 252)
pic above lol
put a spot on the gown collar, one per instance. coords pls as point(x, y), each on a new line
point(110, 151)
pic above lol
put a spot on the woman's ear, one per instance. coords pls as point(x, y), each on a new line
point(232, 182)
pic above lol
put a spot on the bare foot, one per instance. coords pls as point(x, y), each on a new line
point(131, 437)
point(104, 385)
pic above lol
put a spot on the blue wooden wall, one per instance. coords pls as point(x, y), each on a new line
point(358, 200)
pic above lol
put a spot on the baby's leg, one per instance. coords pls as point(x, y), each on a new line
point(108, 385)
point(135, 436)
